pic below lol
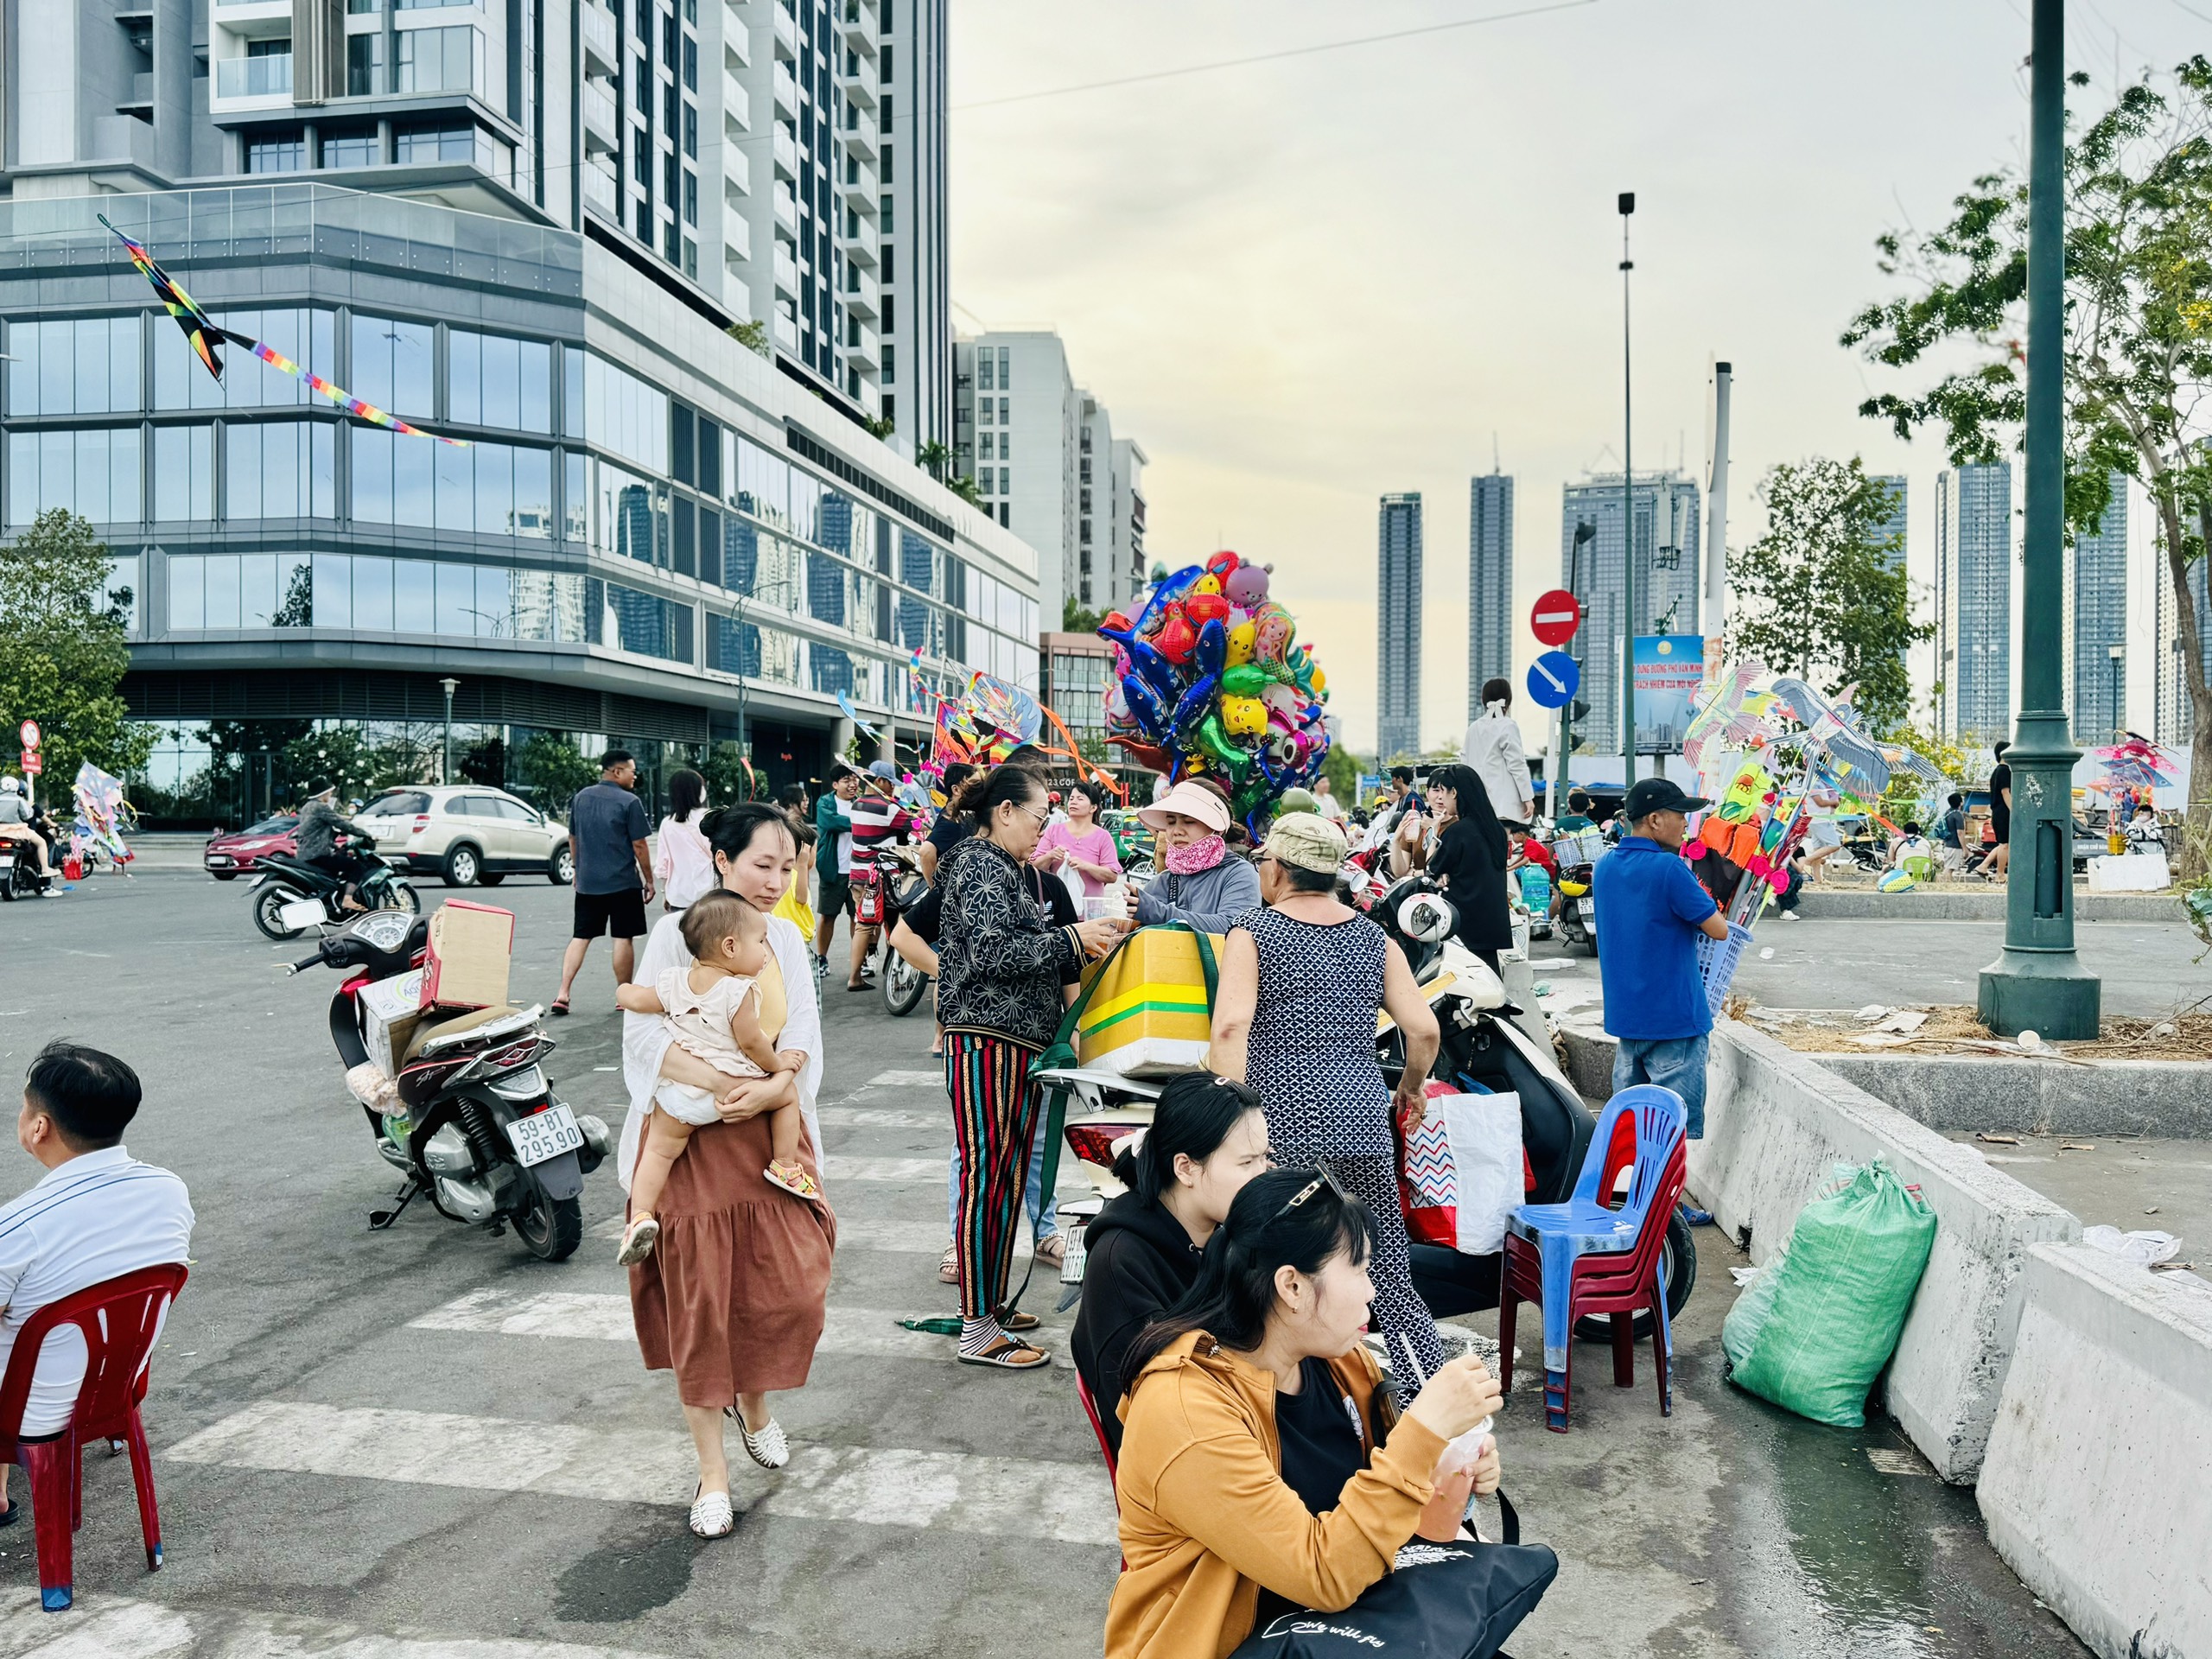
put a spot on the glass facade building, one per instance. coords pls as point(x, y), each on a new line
point(1397, 634)
point(1490, 585)
point(2096, 624)
point(1973, 603)
point(1669, 549)
point(656, 541)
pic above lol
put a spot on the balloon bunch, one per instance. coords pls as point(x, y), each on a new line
point(1210, 682)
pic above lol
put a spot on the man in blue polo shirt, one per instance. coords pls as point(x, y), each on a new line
point(1651, 910)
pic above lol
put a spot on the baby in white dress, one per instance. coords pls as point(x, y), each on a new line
point(712, 1009)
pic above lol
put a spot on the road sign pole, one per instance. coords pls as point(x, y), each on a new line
point(1553, 620)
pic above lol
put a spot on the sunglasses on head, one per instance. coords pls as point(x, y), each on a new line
point(1321, 1178)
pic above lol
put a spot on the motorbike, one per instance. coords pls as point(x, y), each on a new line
point(19, 872)
point(883, 893)
point(290, 895)
point(1482, 1042)
point(458, 1102)
point(1577, 855)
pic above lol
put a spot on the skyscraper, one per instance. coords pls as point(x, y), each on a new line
point(915, 374)
point(1974, 602)
point(1490, 584)
point(2175, 715)
point(2096, 621)
point(1891, 530)
point(1669, 549)
point(1397, 633)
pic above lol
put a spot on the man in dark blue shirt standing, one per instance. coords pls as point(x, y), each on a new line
point(609, 838)
point(1651, 910)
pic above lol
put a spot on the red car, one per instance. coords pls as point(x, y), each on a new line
point(228, 857)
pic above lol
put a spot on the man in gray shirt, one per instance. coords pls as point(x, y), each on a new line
point(16, 821)
point(607, 834)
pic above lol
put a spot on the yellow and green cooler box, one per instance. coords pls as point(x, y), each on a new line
point(1146, 1010)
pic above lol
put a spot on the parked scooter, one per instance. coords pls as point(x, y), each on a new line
point(880, 896)
point(1577, 855)
point(290, 895)
point(462, 1108)
point(1482, 1043)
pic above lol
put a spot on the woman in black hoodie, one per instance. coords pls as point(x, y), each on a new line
point(1209, 1136)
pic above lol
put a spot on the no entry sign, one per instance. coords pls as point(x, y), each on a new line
point(1556, 617)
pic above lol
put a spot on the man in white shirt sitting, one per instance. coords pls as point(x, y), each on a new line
point(97, 1214)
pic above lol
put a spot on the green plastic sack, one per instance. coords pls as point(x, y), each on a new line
point(1818, 1324)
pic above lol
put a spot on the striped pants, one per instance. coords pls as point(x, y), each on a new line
point(1397, 1311)
point(994, 1111)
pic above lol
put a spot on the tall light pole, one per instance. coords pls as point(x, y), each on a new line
point(445, 765)
point(1628, 520)
point(2037, 982)
point(2115, 655)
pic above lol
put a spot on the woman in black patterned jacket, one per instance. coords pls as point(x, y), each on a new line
point(1000, 963)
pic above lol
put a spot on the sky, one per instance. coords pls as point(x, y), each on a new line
point(1303, 283)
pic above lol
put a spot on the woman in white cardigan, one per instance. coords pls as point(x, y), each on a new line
point(1493, 749)
point(734, 1296)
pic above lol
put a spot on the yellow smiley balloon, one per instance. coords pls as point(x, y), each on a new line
point(1206, 584)
point(1240, 639)
point(1243, 716)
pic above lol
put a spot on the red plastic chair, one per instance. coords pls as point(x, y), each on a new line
point(1098, 1427)
point(120, 1319)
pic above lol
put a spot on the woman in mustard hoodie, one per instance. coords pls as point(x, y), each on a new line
point(1262, 1467)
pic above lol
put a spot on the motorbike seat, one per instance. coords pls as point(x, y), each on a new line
point(433, 1030)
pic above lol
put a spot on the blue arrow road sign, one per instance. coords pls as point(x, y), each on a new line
point(1552, 679)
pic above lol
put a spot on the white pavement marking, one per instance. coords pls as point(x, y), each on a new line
point(855, 1232)
point(906, 1079)
point(862, 1117)
point(1013, 1498)
point(836, 1169)
point(101, 1627)
point(601, 1317)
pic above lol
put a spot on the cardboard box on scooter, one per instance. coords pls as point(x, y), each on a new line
point(471, 948)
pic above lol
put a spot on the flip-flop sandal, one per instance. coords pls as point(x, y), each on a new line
point(711, 1515)
point(769, 1448)
point(803, 1187)
point(1052, 1247)
point(1001, 1357)
point(1020, 1322)
point(637, 1241)
point(560, 1005)
point(948, 1265)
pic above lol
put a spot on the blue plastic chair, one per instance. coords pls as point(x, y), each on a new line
point(1610, 1255)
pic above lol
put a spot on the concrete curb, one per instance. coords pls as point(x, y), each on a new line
point(2093, 1488)
point(1777, 1123)
point(1976, 905)
point(2170, 1098)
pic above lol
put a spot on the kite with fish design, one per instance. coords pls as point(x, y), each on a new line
point(204, 333)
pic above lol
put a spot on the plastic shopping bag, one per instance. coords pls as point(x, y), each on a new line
point(1822, 1319)
point(1462, 1175)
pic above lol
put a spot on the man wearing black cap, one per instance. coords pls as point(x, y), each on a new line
point(1652, 909)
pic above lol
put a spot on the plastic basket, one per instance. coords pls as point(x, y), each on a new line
point(1717, 960)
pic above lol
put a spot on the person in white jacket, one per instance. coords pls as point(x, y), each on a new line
point(1493, 749)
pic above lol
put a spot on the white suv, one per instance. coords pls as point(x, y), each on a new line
point(468, 834)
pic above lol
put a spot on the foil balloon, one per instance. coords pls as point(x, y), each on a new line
point(1176, 640)
point(1213, 742)
point(1212, 655)
point(1241, 639)
point(1243, 716)
point(1193, 706)
point(1204, 607)
point(1153, 668)
point(1223, 564)
point(1247, 585)
point(1243, 680)
point(1146, 708)
point(1150, 756)
point(1208, 587)
point(1274, 629)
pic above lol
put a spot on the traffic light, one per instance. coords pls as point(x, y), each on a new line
point(1570, 732)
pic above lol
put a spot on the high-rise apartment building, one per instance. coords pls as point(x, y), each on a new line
point(741, 153)
point(1973, 603)
point(2175, 715)
point(1042, 452)
point(1397, 632)
point(1890, 532)
point(1669, 549)
point(2097, 625)
point(1490, 584)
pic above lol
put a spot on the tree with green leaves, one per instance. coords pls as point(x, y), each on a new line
point(730, 774)
point(753, 335)
point(1341, 768)
point(552, 768)
point(64, 649)
point(2138, 347)
point(1077, 618)
point(1823, 592)
point(935, 459)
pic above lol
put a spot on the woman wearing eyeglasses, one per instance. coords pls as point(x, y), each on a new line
point(1301, 982)
point(1000, 960)
point(1263, 1467)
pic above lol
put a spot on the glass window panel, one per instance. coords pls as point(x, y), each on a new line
point(184, 471)
point(623, 413)
point(834, 523)
point(531, 604)
point(456, 600)
point(88, 366)
point(569, 607)
point(57, 471)
point(414, 482)
point(572, 392)
point(57, 384)
point(23, 474)
point(710, 546)
point(372, 607)
point(222, 591)
point(710, 458)
point(495, 489)
point(391, 364)
point(464, 377)
point(413, 606)
point(372, 457)
point(533, 509)
point(806, 498)
point(334, 591)
point(825, 588)
point(243, 473)
point(294, 591)
point(495, 606)
point(740, 555)
point(535, 389)
point(575, 496)
point(125, 378)
point(456, 485)
point(22, 368)
point(321, 438)
point(187, 593)
point(257, 590)
point(764, 483)
point(502, 381)
point(686, 550)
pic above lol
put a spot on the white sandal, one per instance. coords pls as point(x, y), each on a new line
point(768, 1448)
point(711, 1515)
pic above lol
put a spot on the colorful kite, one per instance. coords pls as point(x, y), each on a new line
point(203, 332)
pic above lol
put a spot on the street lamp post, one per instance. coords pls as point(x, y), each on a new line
point(2115, 655)
point(2037, 982)
point(1628, 520)
point(445, 764)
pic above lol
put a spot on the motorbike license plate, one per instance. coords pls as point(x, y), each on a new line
point(1071, 1263)
point(303, 912)
point(1585, 908)
point(544, 1134)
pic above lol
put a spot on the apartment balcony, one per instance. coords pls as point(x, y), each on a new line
point(857, 26)
point(602, 50)
point(259, 79)
point(860, 138)
point(786, 270)
point(140, 104)
point(786, 91)
point(602, 121)
point(737, 166)
point(737, 233)
point(786, 151)
point(859, 88)
point(786, 210)
point(859, 192)
point(737, 102)
point(600, 194)
point(737, 33)
point(867, 355)
point(860, 242)
point(862, 297)
point(786, 27)
point(787, 331)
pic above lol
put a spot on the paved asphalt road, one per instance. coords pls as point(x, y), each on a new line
point(424, 1445)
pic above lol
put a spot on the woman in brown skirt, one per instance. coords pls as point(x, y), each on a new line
point(732, 1298)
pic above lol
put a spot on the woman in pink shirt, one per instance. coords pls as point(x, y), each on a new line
point(1082, 848)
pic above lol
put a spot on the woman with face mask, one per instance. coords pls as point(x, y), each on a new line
point(1262, 1468)
point(1198, 879)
